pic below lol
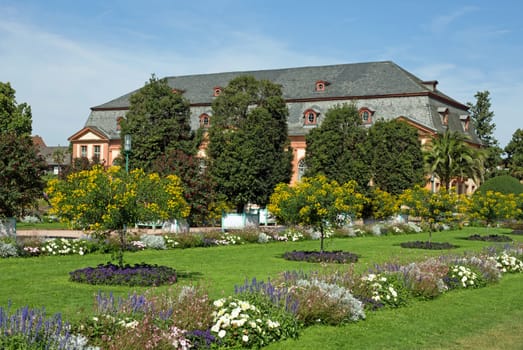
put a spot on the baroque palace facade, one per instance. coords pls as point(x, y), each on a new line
point(380, 90)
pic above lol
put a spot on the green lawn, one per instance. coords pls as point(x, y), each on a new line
point(487, 318)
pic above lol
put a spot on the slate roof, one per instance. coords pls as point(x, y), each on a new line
point(346, 80)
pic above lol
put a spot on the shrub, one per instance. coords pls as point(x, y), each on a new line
point(382, 290)
point(153, 242)
point(238, 323)
point(27, 328)
point(290, 234)
point(64, 246)
point(8, 250)
point(425, 279)
point(504, 184)
point(321, 302)
point(507, 263)
point(136, 275)
point(190, 240)
point(460, 276)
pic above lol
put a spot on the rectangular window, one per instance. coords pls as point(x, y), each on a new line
point(97, 151)
point(83, 151)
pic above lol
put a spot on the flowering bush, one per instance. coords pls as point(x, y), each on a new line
point(425, 279)
point(322, 302)
point(8, 250)
point(170, 242)
point(508, 263)
point(290, 234)
point(238, 323)
point(64, 246)
point(460, 276)
point(153, 242)
point(27, 328)
point(138, 245)
point(383, 290)
point(229, 239)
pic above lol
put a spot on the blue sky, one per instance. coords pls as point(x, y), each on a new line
point(63, 57)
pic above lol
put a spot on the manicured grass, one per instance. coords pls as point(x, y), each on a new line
point(41, 226)
point(454, 320)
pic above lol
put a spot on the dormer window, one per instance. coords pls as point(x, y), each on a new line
point(177, 91)
point(465, 122)
point(205, 120)
point(321, 84)
point(118, 123)
point(366, 115)
point(217, 90)
point(444, 114)
point(311, 116)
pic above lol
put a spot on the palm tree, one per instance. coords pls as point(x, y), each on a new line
point(450, 156)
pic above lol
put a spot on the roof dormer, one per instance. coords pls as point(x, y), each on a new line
point(216, 91)
point(444, 114)
point(430, 84)
point(321, 85)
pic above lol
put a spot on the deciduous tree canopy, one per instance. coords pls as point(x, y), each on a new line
point(396, 156)
point(337, 147)
point(21, 168)
point(158, 121)
point(249, 150)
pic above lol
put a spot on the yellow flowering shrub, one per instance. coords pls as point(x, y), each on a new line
point(491, 206)
point(384, 205)
point(100, 199)
point(440, 207)
point(316, 202)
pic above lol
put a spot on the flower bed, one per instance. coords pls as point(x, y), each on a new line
point(336, 256)
point(427, 245)
point(136, 275)
point(490, 238)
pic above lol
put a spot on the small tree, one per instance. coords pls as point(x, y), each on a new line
point(316, 202)
point(107, 201)
point(432, 208)
point(490, 206)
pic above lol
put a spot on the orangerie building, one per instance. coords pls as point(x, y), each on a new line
point(380, 90)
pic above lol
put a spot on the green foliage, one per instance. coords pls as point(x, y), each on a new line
point(14, 118)
point(248, 148)
point(490, 206)
point(158, 121)
point(514, 151)
point(449, 156)
point(316, 202)
point(21, 171)
point(101, 200)
point(504, 184)
point(198, 187)
point(336, 148)
point(482, 117)
point(396, 156)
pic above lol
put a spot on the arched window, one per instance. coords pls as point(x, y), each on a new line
point(366, 115)
point(205, 120)
point(310, 117)
point(301, 168)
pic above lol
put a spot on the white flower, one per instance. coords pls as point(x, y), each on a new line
point(221, 333)
point(245, 338)
point(219, 302)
